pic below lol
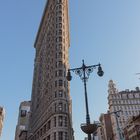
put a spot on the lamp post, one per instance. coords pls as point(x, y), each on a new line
point(117, 122)
point(84, 73)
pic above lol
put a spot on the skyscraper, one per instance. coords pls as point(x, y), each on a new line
point(126, 103)
point(50, 117)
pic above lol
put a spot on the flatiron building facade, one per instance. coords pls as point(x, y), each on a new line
point(50, 116)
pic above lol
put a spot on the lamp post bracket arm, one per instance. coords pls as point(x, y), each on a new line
point(92, 66)
point(74, 69)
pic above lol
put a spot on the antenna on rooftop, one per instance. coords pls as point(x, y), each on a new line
point(138, 74)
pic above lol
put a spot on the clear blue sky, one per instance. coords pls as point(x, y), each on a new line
point(105, 31)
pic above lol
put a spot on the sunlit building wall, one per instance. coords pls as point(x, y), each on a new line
point(132, 129)
point(2, 114)
point(127, 101)
point(23, 119)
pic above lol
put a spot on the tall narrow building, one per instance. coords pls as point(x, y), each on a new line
point(23, 120)
point(50, 117)
point(2, 114)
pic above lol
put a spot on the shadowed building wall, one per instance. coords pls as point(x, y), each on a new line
point(105, 131)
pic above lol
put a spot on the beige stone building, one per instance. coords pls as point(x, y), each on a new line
point(2, 114)
point(50, 102)
point(132, 129)
point(23, 120)
point(127, 103)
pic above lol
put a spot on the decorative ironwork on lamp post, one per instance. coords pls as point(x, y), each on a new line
point(84, 73)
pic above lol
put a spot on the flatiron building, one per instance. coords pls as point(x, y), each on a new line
point(50, 115)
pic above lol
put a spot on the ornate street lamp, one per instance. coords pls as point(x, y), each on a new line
point(117, 123)
point(84, 73)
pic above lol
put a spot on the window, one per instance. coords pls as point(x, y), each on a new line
point(23, 113)
point(60, 73)
point(55, 94)
point(60, 121)
point(48, 137)
point(60, 54)
point(60, 39)
point(44, 129)
point(56, 25)
point(60, 32)
point(60, 64)
point(55, 73)
point(49, 125)
point(65, 94)
point(60, 18)
point(41, 132)
point(35, 137)
point(60, 135)
point(54, 135)
point(65, 107)
point(56, 64)
point(60, 46)
point(60, 12)
point(60, 6)
point(66, 136)
point(37, 134)
point(60, 106)
point(60, 82)
point(56, 55)
point(54, 121)
point(57, 39)
point(56, 32)
point(60, 25)
point(65, 121)
point(55, 107)
point(60, 93)
point(55, 83)
point(64, 83)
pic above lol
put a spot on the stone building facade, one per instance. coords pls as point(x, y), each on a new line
point(132, 129)
point(23, 135)
point(2, 114)
point(23, 120)
point(105, 131)
point(50, 117)
point(126, 102)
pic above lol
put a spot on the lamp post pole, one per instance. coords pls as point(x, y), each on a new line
point(117, 122)
point(84, 73)
point(86, 98)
